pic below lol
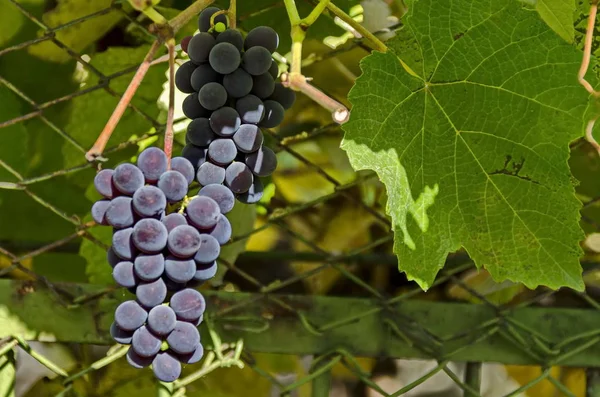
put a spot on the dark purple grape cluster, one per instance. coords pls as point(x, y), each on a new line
point(161, 247)
point(233, 94)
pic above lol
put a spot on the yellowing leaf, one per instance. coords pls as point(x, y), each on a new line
point(347, 230)
point(5, 262)
point(482, 283)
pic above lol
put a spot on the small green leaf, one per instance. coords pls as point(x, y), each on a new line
point(80, 35)
point(473, 151)
point(558, 14)
point(98, 270)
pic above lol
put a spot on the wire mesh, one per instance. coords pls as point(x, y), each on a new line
point(264, 314)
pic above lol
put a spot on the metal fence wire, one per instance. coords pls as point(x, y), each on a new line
point(554, 331)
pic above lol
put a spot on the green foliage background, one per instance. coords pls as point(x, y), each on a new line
point(393, 102)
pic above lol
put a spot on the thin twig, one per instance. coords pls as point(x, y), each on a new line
point(338, 12)
point(184, 16)
point(96, 151)
point(339, 112)
point(587, 50)
point(585, 63)
point(171, 108)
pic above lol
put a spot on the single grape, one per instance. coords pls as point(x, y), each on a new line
point(192, 358)
point(205, 271)
point(248, 138)
point(203, 212)
point(263, 85)
point(119, 213)
point(149, 236)
point(104, 185)
point(195, 155)
point(122, 244)
point(274, 70)
point(222, 231)
point(200, 46)
point(129, 316)
point(210, 173)
point(185, 167)
point(149, 201)
point(221, 194)
point(128, 178)
point(151, 294)
point(124, 275)
point(222, 151)
point(180, 270)
point(192, 109)
point(225, 121)
point(251, 109)
point(212, 96)
point(152, 162)
point(203, 75)
point(262, 162)
point(166, 368)
point(119, 335)
point(274, 113)
point(144, 343)
point(137, 361)
point(173, 220)
point(238, 177)
point(233, 37)
point(112, 258)
point(149, 267)
point(256, 60)
point(209, 249)
point(174, 186)
point(184, 338)
point(183, 77)
point(204, 18)
point(183, 241)
point(262, 36)
point(219, 28)
point(99, 211)
point(224, 58)
point(285, 96)
point(238, 83)
point(188, 304)
point(161, 320)
point(185, 42)
point(200, 133)
point(254, 194)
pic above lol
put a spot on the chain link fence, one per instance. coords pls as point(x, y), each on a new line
point(271, 315)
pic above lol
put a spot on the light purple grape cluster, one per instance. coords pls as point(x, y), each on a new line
point(233, 94)
point(156, 254)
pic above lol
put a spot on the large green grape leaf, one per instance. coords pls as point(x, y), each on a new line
point(470, 136)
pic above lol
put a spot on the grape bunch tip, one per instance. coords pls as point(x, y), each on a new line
point(164, 245)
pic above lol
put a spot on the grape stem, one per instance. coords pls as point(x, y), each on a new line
point(231, 12)
point(166, 31)
point(295, 79)
point(585, 63)
point(168, 145)
point(95, 152)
